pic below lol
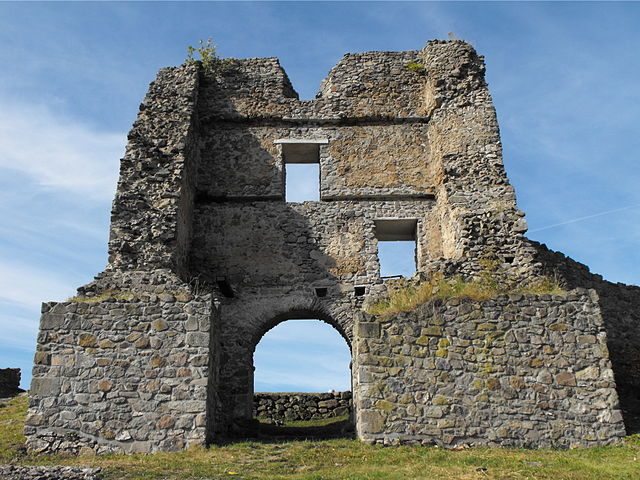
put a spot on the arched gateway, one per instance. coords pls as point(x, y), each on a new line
point(206, 254)
point(238, 347)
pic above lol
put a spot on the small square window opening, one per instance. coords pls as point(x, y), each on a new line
point(397, 252)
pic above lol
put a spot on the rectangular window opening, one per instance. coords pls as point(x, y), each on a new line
point(302, 182)
point(397, 247)
point(301, 165)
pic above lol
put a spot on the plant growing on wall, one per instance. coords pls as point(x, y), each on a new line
point(416, 67)
point(209, 58)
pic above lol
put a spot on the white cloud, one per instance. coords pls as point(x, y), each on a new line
point(26, 286)
point(20, 331)
point(59, 153)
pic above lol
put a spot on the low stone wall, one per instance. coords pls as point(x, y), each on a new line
point(518, 370)
point(301, 406)
point(16, 472)
point(10, 381)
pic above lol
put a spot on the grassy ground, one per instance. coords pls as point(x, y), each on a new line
point(337, 460)
point(321, 429)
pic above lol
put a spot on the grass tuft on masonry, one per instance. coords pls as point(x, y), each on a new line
point(118, 295)
point(406, 297)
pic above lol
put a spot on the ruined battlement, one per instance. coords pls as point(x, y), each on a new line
point(206, 254)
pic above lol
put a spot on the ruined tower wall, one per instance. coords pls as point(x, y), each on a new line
point(391, 132)
point(205, 256)
point(476, 207)
point(374, 121)
point(150, 219)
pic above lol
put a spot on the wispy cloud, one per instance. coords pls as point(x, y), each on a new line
point(58, 153)
point(26, 286)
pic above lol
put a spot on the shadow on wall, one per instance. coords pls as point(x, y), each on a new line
point(620, 307)
point(278, 261)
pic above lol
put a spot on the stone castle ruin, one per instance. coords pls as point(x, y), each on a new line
point(206, 255)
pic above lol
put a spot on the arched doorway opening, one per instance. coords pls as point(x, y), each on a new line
point(302, 380)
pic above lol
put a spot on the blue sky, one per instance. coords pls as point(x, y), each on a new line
point(564, 78)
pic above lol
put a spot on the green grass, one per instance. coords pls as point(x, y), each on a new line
point(338, 460)
point(12, 413)
point(320, 429)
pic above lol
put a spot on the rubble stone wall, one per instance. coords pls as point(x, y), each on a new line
point(19, 472)
point(620, 306)
point(528, 371)
point(314, 243)
point(150, 216)
point(121, 375)
point(301, 406)
point(10, 381)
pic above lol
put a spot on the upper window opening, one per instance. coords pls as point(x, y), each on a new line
point(397, 251)
point(301, 162)
point(302, 182)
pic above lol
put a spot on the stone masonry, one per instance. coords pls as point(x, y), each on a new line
point(206, 255)
point(521, 370)
point(9, 381)
point(301, 406)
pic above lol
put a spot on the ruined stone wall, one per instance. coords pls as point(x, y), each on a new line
point(121, 375)
point(9, 381)
point(311, 244)
point(527, 371)
point(20, 472)
point(620, 306)
point(200, 233)
point(370, 160)
point(391, 131)
point(476, 208)
point(301, 406)
point(362, 85)
point(150, 219)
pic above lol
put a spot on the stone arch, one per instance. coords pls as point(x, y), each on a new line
point(242, 328)
point(301, 315)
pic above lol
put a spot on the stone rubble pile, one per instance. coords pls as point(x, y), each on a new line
point(16, 472)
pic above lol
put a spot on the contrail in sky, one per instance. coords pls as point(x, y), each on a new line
point(583, 218)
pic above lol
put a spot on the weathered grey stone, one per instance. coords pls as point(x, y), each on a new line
point(301, 406)
point(17, 472)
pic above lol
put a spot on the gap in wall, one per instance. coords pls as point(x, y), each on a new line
point(302, 182)
point(397, 258)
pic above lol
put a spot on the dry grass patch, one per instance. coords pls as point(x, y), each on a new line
point(405, 297)
point(117, 294)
